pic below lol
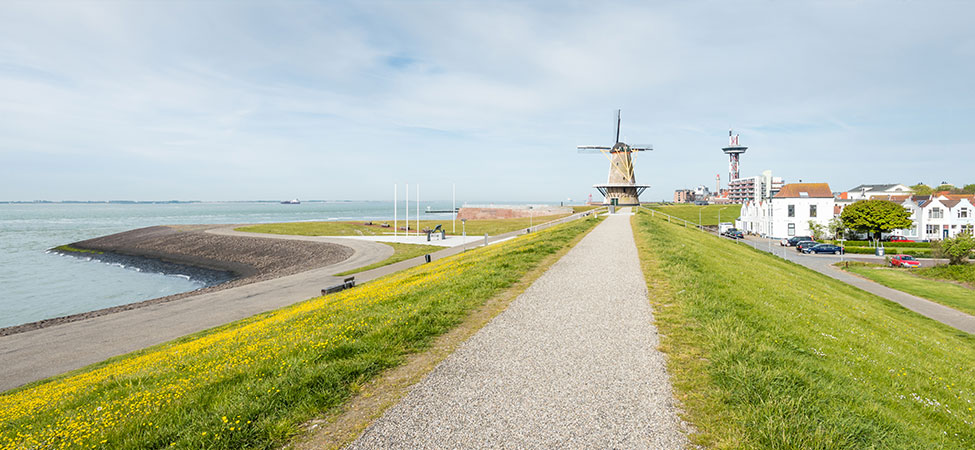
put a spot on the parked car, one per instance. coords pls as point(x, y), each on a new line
point(735, 234)
point(789, 242)
point(824, 248)
point(805, 244)
point(898, 239)
point(730, 230)
point(904, 261)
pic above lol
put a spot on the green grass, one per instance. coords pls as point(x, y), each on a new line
point(764, 353)
point(70, 249)
point(708, 213)
point(250, 384)
point(907, 280)
point(579, 209)
point(960, 273)
point(474, 227)
point(401, 252)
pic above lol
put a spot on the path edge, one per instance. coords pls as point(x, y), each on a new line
point(340, 428)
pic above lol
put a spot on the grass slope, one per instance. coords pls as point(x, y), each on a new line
point(401, 252)
point(474, 227)
point(708, 213)
point(960, 273)
point(947, 293)
point(764, 353)
point(249, 384)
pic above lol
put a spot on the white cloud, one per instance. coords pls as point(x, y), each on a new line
point(248, 100)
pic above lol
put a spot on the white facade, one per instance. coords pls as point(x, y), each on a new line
point(938, 218)
point(787, 214)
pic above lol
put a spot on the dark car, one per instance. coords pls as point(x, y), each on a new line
point(735, 234)
point(824, 248)
point(792, 241)
point(730, 230)
point(805, 244)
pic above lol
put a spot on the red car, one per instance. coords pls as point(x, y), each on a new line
point(904, 261)
point(899, 239)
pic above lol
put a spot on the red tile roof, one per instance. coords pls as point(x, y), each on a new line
point(812, 190)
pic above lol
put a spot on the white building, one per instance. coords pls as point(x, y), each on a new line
point(936, 218)
point(788, 212)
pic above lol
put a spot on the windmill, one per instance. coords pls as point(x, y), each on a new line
point(621, 188)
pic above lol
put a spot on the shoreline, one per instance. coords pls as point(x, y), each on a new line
point(226, 261)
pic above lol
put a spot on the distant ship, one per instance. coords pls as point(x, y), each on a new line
point(291, 202)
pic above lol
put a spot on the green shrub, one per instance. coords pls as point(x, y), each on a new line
point(917, 252)
point(890, 244)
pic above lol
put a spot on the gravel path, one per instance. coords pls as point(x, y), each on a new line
point(571, 363)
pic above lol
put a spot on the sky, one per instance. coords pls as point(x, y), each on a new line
point(240, 100)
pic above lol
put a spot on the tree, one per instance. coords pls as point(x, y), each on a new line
point(944, 187)
point(922, 189)
point(957, 249)
point(876, 216)
point(818, 230)
point(968, 189)
point(835, 227)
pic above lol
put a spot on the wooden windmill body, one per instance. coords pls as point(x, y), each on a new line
point(620, 188)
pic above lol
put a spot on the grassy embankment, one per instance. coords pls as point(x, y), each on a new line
point(959, 273)
point(947, 293)
point(764, 353)
point(401, 252)
point(474, 227)
point(708, 213)
point(251, 383)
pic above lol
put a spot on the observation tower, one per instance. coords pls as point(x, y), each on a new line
point(734, 151)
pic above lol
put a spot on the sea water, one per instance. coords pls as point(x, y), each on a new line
point(36, 284)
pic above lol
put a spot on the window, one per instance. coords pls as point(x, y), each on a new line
point(967, 228)
point(935, 213)
point(792, 227)
point(932, 229)
point(963, 213)
point(792, 211)
point(812, 210)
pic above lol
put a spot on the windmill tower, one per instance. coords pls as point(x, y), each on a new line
point(620, 188)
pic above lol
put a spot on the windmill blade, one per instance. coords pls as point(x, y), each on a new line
point(593, 147)
point(641, 148)
point(618, 126)
point(593, 151)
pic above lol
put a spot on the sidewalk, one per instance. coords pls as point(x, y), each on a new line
point(571, 363)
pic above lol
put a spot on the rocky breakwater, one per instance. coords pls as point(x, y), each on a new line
point(219, 261)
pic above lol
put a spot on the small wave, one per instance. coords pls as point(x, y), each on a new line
point(179, 275)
